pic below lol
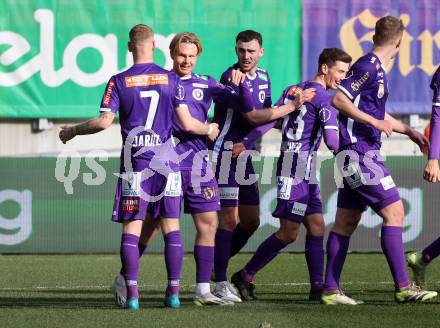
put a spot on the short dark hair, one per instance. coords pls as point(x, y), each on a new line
point(388, 29)
point(330, 56)
point(249, 35)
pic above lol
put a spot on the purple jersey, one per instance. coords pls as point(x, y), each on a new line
point(233, 126)
point(367, 87)
point(434, 138)
point(302, 130)
point(199, 92)
point(145, 96)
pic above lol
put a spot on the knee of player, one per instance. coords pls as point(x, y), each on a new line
point(316, 230)
point(250, 225)
point(228, 222)
point(287, 236)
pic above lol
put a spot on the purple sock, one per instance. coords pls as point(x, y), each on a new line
point(130, 263)
point(204, 256)
point(432, 251)
point(239, 239)
point(314, 252)
point(173, 260)
point(392, 246)
point(267, 250)
point(221, 254)
point(337, 248)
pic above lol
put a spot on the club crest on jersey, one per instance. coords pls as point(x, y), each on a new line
point(144, 80)
point(180, 92)
point(262, 96)
point(380, 91)
point(324, 114)
point(197, 94)
point(355, 86)
point(209, 193)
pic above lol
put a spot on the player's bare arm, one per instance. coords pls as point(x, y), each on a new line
point(194, 126)
point(399, 127)
point(341, 102)
point(256, 117)
point(102, 122)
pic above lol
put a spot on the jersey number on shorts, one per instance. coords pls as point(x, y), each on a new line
point(154, 95)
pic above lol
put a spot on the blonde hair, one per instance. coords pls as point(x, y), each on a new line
point(185, 37)
point(140, 33)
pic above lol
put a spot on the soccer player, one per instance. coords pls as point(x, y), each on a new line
point(361, 99)
point(299, 199)
point(239, 200)
point(418, 261)
point(145, 96)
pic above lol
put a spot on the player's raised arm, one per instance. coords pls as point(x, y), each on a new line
point(400, 127)
point(341, 102)
point(260, 116)
point(102, 122)
point(194, 126)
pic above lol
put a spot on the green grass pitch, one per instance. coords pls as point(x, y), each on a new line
point(73, 291)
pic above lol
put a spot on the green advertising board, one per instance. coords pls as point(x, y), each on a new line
point(57, 55)
point(65, 206)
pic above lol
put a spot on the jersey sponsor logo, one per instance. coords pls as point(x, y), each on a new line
point(130, 204)
point(284, 187)
point(355, 86)
point(108, 93)
point(295, 91)
point(387, 182)
point(200, 85)
point(131, 184)
point(324, 114)
point(230, 193)
point(174, 185)
point(262, 76)
point(180, 92)
point(299, 208)
point(197, 94)
point(144, 80)
point(263, 86)
point(262, 96)
point(380, 91)
point(372, 60)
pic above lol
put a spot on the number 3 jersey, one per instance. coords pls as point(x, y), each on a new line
point(145, 96)
point(303, 129)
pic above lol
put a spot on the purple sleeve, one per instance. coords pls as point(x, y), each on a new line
point(358, 79)
point(247, 104)
point(434, 135)
point(257, 132)
point(225, 95)
point(331, 139)
point(110, 99)
point(268, 100)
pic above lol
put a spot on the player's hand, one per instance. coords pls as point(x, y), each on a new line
point(66, 133)
point(384, 126)
point(419, 139)
point(431, 172)
point(304, 96)
point(237, 149)
point(214, 131)
point(237, 77)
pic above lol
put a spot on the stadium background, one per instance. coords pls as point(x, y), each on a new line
point(56, 56)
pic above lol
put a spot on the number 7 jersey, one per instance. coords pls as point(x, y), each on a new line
point(145, 96)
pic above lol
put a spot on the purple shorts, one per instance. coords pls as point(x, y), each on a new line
point(199, 197)
point(296, 201)
point(136, 195)
point(367, 182)
point(233, 192)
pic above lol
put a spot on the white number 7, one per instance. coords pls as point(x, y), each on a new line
point(154, 95)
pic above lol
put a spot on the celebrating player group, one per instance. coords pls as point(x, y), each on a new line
point(171, 155)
